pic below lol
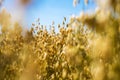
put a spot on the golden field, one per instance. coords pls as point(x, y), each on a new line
point(85, 48)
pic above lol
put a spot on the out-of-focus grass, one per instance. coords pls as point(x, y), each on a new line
point(74, 53)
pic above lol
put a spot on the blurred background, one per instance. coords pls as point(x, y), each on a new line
point(28, 11)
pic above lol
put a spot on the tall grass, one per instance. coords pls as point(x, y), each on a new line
point(85, 48)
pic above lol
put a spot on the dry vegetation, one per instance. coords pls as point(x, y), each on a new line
point(86, 48)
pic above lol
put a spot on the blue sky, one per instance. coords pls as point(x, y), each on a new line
point(48, 10)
